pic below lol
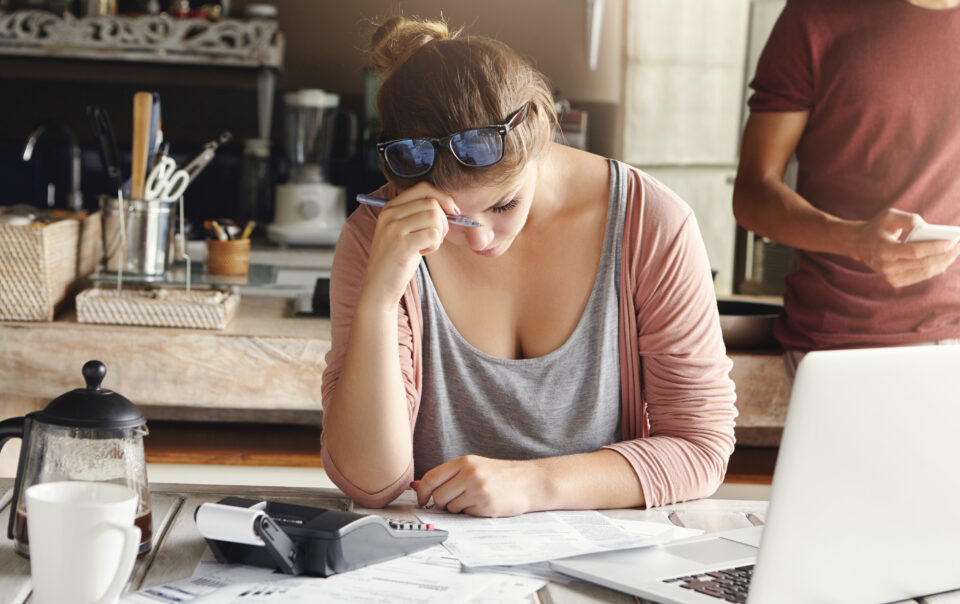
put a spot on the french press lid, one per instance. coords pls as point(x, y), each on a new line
point(93, 406)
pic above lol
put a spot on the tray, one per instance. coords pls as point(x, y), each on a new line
point(167, 307)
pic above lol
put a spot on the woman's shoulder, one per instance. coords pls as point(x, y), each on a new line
point(356, 235)
point(362, 222)
point(651, 205)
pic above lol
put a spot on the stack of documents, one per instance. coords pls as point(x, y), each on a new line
point(429, 576)
point(484, 560)
point(524, 545)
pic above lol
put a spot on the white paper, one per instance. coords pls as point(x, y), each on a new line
point(537, 570)
point(190, 589)
point(540, 536)
point(649, 530)
point(430, 576)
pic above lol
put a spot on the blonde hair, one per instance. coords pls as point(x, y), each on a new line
point(436, 82)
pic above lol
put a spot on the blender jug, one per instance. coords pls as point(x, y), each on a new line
point(88, 434)
point(307, 133)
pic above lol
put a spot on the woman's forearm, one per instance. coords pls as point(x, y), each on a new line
point(587, 481)
point(367, 425)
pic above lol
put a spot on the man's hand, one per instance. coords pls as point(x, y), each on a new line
point(878, 245)
point(480, 486)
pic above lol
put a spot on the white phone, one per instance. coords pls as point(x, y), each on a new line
point(934, 232)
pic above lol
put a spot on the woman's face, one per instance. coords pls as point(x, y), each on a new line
point(501, 209)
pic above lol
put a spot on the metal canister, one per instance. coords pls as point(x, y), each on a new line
point(149, 233)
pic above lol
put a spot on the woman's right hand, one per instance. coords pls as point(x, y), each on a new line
point(879, 246)
point(411, 225)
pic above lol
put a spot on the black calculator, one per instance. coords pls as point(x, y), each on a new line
point(299, 539)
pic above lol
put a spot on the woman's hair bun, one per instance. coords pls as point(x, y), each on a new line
point(399, 37)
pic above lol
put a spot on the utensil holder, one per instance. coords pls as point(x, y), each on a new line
point(231, 257)
point(149, 231)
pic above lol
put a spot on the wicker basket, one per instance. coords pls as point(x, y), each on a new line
point(202, 309)
point(42, 264)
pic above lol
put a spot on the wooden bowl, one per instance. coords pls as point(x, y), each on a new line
point(230, 257)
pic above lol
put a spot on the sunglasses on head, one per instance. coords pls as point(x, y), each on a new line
point(473, 148)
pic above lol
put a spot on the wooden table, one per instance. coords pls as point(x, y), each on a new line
point(178, 546)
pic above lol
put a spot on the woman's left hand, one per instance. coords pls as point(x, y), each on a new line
point(480, 486)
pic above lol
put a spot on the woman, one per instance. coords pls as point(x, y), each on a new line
point(564, 354)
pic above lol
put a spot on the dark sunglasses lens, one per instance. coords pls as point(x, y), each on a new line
point(478, 147)
point(411, 157)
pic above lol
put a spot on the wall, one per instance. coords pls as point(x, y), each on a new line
point(327, 43)
point(679, 131)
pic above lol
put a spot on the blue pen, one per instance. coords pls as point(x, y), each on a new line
point(379, 202)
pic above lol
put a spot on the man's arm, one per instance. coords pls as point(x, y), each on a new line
point(764, 204)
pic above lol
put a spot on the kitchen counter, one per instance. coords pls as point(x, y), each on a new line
point(763, 388)
point(763, 393)
point(265, 367)
point(297, 267)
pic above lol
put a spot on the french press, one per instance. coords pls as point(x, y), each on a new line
point(89, 434)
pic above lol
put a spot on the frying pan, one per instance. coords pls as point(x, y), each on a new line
point(747, 324)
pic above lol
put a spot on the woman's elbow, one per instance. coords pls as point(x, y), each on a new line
point(362, 497)
point(715, 457)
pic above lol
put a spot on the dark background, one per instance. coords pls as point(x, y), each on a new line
point(325, 48)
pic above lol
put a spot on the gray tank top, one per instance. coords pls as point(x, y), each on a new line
point(565, 402)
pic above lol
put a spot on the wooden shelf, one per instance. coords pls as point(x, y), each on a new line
point(153, 51)
point(240, 444)
point(252, 44)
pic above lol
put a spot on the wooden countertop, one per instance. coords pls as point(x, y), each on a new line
point(265, 359)
point(266, 362)
point(763, 393)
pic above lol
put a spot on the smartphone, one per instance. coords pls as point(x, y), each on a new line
point(934, 232)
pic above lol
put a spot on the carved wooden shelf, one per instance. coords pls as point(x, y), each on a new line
point(254, 43)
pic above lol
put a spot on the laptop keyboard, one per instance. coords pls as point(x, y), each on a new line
point(729, 585)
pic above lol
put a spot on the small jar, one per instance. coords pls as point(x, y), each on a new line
point(230, 257)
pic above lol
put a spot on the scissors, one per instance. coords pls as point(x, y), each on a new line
point(167, 183)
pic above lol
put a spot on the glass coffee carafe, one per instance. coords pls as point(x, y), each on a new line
point(88, 434)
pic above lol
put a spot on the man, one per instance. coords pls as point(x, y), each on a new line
point(867, 94)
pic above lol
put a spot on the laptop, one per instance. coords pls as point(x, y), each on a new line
point(863, 506)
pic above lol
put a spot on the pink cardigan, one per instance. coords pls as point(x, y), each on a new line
point(677, 398)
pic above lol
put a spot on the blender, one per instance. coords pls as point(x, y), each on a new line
point(309, 210)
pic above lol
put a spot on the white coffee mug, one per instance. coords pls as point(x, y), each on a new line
point(83, 543)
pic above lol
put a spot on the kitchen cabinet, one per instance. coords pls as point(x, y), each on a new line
point(684, 81)
point(682, 105)
point(688, 68)
point(759, 264)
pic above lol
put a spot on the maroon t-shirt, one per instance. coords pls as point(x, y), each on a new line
point(881, 80)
